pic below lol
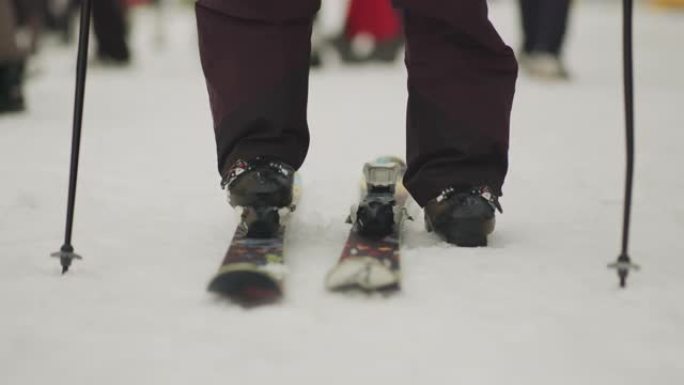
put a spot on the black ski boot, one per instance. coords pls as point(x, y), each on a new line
point(261, 186)
point(463, 216)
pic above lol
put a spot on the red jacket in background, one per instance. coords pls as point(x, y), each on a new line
point(375, 17)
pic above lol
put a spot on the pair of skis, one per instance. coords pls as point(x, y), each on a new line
point(253, 270)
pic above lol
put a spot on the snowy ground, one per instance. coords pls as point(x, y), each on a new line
point(537, 307)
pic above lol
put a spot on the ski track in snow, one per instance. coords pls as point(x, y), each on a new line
point(537, 307)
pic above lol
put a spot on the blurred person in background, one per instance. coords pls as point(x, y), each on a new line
point(372, 32)
point(316, 45)
point(674, 4)
point(109, 25)
point(109, 22)
point(544, 23)
point(17, 40)
point(461, 79)
point(58, 16)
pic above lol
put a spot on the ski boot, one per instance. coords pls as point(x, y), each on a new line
point(463, 216)
point(262, 187)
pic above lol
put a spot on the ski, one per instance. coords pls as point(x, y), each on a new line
point(253, 269)
point(370, 258)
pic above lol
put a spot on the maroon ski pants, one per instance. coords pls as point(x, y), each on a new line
point(461, 81)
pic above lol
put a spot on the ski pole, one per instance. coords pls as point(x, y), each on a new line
point(66, 253)
point(624, 264)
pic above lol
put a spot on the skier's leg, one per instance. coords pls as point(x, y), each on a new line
point(461, 85)
point(255, 57)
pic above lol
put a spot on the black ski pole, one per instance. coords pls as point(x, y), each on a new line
point(66, 253)
point(624, 264)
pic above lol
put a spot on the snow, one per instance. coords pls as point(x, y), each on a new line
point(537, 307)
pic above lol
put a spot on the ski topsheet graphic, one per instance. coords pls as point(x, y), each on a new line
point(253, 269)
point(370, 258)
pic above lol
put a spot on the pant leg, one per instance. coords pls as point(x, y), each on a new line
point(529, 15)
point(110, 29)
point(461, 81)
point(551, 25)
point(255, 56)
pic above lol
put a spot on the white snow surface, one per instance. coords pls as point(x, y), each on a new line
point(536, 307)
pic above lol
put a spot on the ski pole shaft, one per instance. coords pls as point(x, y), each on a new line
point(81, 70)
point(624, 264)
point(629, 120)
point(66, 254)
